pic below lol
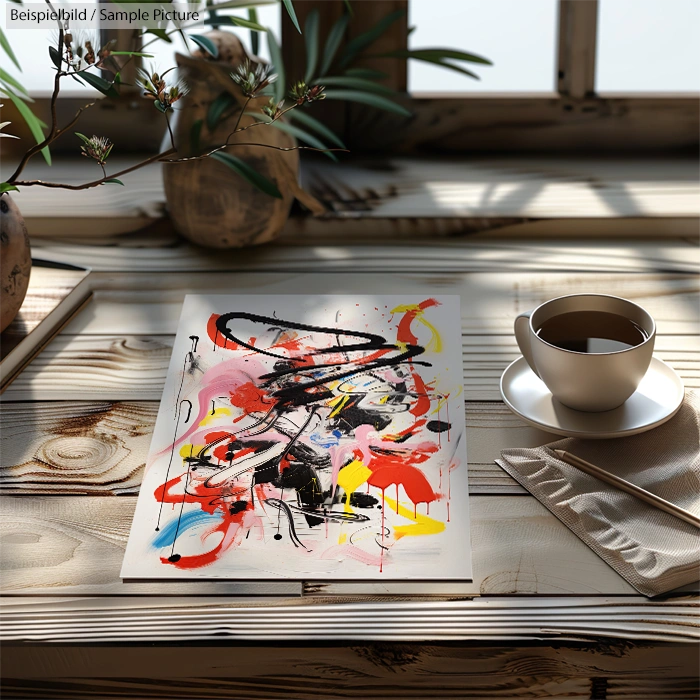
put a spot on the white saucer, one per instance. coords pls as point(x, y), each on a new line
point(657, 399)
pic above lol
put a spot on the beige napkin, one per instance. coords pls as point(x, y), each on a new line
point(654, 551)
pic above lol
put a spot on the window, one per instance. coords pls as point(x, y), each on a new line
point(30, 46)
point(523, 61)
point(648, 46)
point(566, 76)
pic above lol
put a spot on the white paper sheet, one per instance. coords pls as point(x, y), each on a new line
point(308, 437)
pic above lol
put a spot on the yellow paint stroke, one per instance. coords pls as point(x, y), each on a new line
point(441, 402)
point(351, 477)
point(435, 342)
point(213, 416)
point(422, 525)
point(189, 450)
point(339, 406)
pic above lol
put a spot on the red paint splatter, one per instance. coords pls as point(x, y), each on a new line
point(251, 398)
point(216, 337)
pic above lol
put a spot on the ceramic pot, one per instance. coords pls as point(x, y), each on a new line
point(209, 203)
point(15, 260)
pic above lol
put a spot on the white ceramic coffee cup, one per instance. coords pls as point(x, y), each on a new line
point(586, 381)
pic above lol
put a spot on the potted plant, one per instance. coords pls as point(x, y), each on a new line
point(230, 119)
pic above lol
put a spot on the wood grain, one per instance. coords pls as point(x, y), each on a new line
point(80, 447)
point(108, 368)
point(380, 670)
point(490, 301)
point(480, 187)
point(297, 686)
point(374, 618)
point(100, 448)
point(75, 545)
point(353, 254)
point(506, 187)
point(70, 548)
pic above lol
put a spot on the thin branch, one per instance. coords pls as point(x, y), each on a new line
point(240, 116)
point(95, 183)
point(170, 131)
point(237, 131)
point(75, 118)
point(261, 145)
point(272, 121)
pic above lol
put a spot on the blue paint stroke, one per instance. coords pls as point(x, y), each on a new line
point(166, 536)
point(327, 440)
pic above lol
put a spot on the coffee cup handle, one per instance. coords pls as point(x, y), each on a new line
point(522, 335)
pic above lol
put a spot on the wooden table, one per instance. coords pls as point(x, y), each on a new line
point(544, 617)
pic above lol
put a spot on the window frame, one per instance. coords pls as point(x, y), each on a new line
point(572, 118)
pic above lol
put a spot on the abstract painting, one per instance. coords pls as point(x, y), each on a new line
point(308, 437)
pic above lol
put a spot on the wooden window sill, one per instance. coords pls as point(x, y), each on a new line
point(407, 197)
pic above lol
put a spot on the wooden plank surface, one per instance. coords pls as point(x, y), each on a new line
point(375, 671)
point(102, 448)
point(150, 304)
point(133, 367)
point(540, 188)
point(356, 253)
point(110, 362)
point(536, 187)
point(405, 620)
point(75, 545)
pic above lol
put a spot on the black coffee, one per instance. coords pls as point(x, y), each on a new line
point(591, 332)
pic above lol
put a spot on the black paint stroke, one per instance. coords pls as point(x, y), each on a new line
point(283, 507)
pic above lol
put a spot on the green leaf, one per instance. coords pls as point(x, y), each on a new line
point(304, 136)
point(368, 98)
point(7, 187)
point(114, 180)
point(278, 86)
point(248, 174)
point(33, 123)
point(159, 106)
point(361, 42)
point(204, 42)
point(55, 56)
point(217, 108)
point(350, 10)
point(367, 73)
point(8, 50)
point(9, 80)
point(195, 134)
point(239, 22)
point(292, 14)
point(437, 55)
point(335, 37)
point(451, 66)
point(355, 83)
point(254, 36)
point(311, 41)
point(314, 124)
point(161, 34)
point(131, 53)
point(104, 86)
point(82, 137)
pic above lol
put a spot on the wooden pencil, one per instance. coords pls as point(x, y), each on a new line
point(632, 489)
